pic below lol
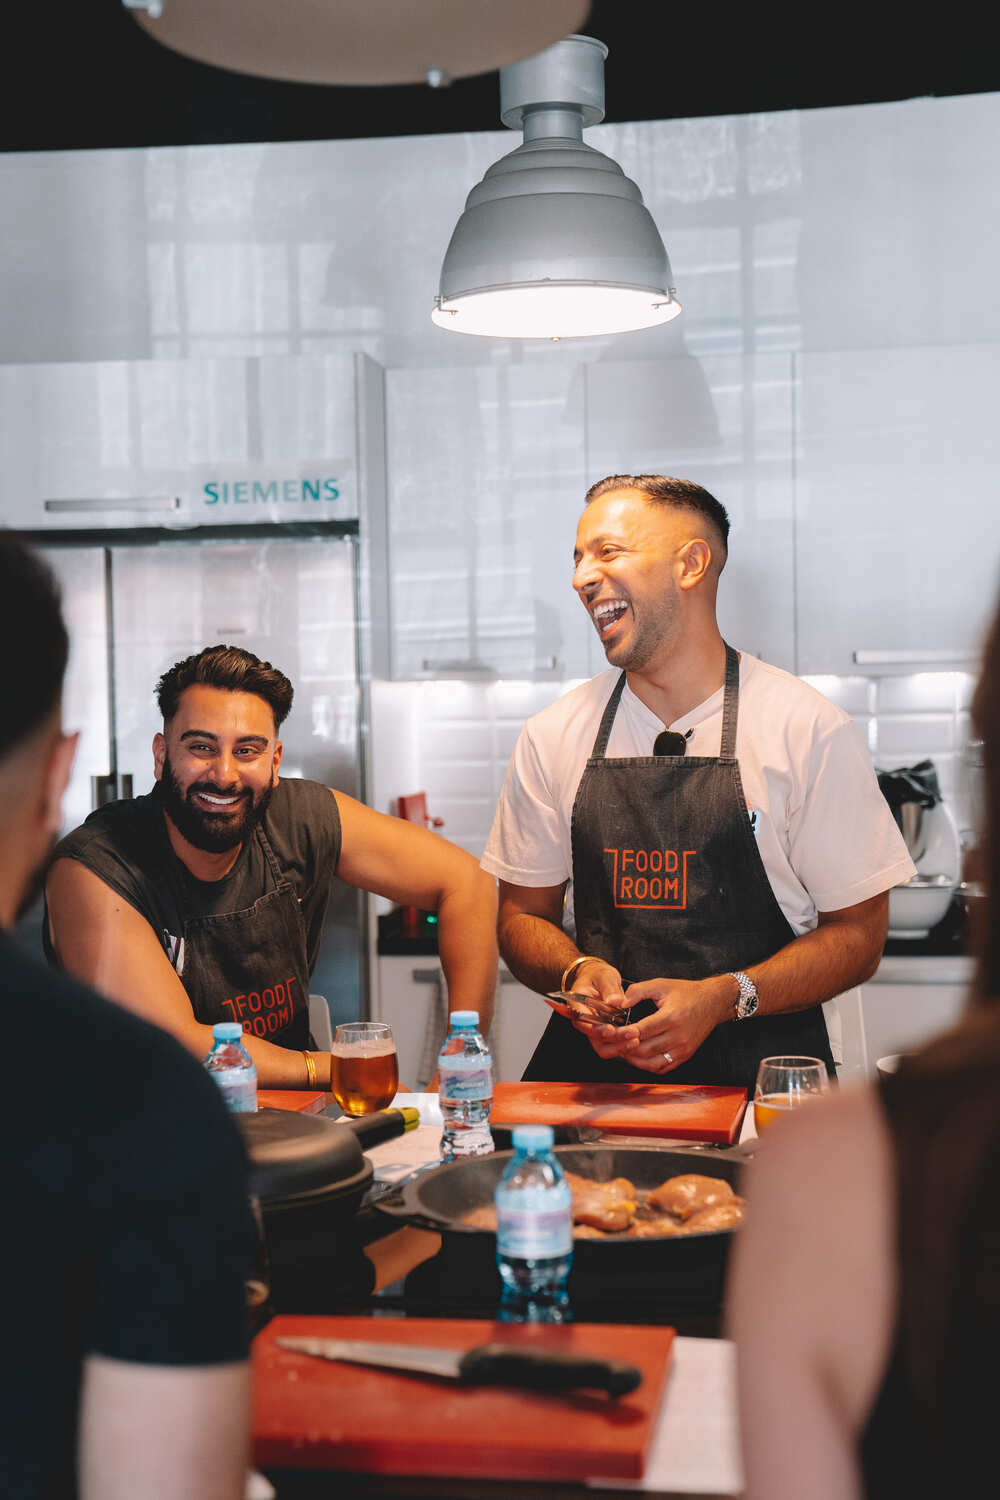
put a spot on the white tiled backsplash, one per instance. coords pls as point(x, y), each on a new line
point(463, 733)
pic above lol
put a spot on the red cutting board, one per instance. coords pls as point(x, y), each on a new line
point(315, 1414)
point(306, 1101)
point(685, 1111)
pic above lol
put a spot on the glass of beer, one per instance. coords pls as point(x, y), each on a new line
point(785, 1083)
point(364, 1067)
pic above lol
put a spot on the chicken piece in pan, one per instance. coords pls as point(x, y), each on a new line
point(689, 1194)
point(602, 1205)
point(726, 1215)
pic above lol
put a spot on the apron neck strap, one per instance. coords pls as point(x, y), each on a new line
point(607, 719)
point(730, 704)
point(730, 710)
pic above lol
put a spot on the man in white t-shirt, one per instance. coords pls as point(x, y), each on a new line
point(708, 826)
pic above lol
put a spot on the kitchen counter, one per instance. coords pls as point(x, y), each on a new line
point(695, 1450)
point(898, 968)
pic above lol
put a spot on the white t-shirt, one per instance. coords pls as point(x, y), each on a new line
point(825, 833)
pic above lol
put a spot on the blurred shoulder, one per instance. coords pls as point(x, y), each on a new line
point(828, 1163)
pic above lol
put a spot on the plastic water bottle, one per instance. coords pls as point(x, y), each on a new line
point(465, 1088)
point(534, 1231)
point(232, 1067)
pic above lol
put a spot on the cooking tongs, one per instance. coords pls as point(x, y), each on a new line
point(586, 1009)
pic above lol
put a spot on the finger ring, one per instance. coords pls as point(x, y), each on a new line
point(667, 1057)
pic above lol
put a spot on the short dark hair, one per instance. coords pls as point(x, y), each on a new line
point(32, 625)
point(681, 494)
point(234, 671)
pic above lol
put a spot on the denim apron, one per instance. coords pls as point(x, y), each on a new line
point(668, 882)
point(251, 966)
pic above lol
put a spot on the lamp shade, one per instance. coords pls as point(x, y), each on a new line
point(358, 41)
point(555, 242)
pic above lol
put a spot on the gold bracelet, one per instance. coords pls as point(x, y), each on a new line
point(571, 969)
point(310, 1070)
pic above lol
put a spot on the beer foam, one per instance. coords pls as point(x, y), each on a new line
point(363, 1049)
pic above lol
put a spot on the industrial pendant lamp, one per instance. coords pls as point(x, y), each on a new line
point(555, 242)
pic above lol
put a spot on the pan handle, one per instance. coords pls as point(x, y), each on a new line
point(393, 1198)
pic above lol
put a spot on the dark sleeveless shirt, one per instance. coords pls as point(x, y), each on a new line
point(126, 845)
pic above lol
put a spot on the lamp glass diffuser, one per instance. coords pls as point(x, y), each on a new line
point(555, 241)
point(556, 310)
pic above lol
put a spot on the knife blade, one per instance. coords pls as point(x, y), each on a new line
point(486, 1364)
point(601, 1014)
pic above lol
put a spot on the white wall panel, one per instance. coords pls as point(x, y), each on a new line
point(897, 501)
point(858, 227)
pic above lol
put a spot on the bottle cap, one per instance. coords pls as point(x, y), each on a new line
point(532, 1137)
point(462, 1018)
point(227, 1031)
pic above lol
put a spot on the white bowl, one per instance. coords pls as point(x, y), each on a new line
point(888, 1065)
point(917, 907)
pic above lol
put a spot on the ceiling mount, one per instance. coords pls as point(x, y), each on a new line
point(555, 242)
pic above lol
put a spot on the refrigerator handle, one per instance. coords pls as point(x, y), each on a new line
point(111, 788)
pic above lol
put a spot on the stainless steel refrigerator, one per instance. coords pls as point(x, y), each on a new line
point(135, 604)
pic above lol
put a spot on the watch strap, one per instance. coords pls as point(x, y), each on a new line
point(748, 999)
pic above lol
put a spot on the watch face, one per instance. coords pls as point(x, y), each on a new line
point(746, 1005)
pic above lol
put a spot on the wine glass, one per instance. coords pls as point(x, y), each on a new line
point(364, 1066)
point(785, 1083)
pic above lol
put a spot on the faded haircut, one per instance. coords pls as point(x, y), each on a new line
point(679, 494)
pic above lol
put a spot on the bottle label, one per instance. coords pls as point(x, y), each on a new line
point(239, 1089)
point(534, 1234)
point(458, 1083)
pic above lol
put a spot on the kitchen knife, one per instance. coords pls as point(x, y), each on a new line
point(487, 1364)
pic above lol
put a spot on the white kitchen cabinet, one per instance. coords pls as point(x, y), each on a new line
point(724, 421)
point(186, 442)
point(897, 501)
point(911, 1000)
point(414, 1000)
point(486, 481)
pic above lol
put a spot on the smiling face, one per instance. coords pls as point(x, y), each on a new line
point(630, 559)
point(217, 762)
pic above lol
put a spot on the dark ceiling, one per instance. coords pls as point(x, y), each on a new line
point(82, 74)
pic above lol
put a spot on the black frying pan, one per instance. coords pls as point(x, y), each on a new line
point(689, 1269)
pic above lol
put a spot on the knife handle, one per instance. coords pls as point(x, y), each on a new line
point(544, 1370)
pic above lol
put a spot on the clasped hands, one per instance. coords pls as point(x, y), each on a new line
point(687, 1010)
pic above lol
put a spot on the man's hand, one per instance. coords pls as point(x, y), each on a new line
point(687, 1010)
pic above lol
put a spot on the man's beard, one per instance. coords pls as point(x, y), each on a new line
point(651, 634)
point(213, 833)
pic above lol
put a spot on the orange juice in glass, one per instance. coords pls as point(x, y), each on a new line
point(784, 1084)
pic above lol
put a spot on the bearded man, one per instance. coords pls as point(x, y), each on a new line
point(204, 901)
point(694, 837)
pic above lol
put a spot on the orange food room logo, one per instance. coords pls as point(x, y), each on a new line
point(654, 879)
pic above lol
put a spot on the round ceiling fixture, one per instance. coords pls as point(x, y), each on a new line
point(358, 41)
point(555, 242)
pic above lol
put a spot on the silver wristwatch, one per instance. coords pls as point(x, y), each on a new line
point(749, 999)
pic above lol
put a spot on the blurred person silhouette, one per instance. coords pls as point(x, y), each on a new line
point(124, 1248)
point(864, 1294)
